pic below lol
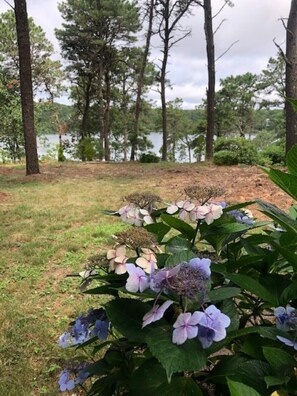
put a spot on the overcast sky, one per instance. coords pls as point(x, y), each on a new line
point(253, 23)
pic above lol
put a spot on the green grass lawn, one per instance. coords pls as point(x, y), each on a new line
point(47, 230)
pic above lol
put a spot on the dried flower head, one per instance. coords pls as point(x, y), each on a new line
point(98, 260)
point(136, 238)
point(143, 200)
point(203, 193)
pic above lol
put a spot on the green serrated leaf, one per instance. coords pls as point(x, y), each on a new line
point(273, 381)
point(238, 206)
point(291, 158)
point(179, 225)
point(277, 358)
point(175, 358)
point(147, 378)
point(178, 258)
point(158, 229)
point(288, 294)
point(228, 307)
point(286, 181)
point(278, 215)
point(238, 388)
point(178, 244)
point(180, 386)
point(126, 316)
point(223, 293)
point(253, 286)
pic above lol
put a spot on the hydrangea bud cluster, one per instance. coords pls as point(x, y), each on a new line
point(286, 320)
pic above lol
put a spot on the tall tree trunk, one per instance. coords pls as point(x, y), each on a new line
point(163, 82)
point(23, 39)
point(86, 108)
point(106, 118)
point(101, 112)
point(140, 80)
point(291, 76)
point(210, 49)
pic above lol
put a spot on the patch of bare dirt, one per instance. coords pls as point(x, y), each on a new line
point(240, 183)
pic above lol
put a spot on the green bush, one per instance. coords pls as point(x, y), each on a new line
point(240, 151)
point(149, 158)
point(275, 154)
point(225, 157)
point(85, 150)
point(61, 156)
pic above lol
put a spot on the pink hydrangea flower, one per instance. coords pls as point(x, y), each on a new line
point(117, 259)
point(199, 212)
point(131, 214)
point(185, 206)
point(215, 212)
point(156, 313)
point(147, 260)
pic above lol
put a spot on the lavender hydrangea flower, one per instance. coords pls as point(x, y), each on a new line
point(137, 280)
point(188, 279)
point(159, 279)
point(185, 327)
point(65, 382)
point(156, 313)
point(202, 265)
point(286, 318)
point(212, 325)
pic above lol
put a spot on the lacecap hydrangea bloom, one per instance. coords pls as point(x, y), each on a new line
point(208, 326)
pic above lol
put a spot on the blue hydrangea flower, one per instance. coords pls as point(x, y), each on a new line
point(243, 216)
point(65, 382)
point(286, 318)
point(288, 342)
point(80, 332)
point(212, 325)
point(82, 373)
point(100, 329)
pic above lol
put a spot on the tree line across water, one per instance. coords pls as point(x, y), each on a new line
point(108, 77)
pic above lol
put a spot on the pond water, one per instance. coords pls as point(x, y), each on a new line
point(47, 145)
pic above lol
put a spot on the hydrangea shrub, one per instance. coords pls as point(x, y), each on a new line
point(201, 299)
